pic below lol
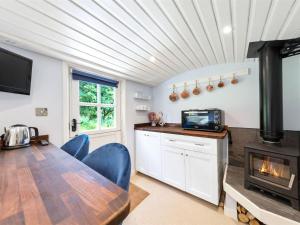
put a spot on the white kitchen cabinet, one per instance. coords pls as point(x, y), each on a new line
point(192, 164)
point(141, 152)
point(202, 176)
point(148, 153)
point(173, 167)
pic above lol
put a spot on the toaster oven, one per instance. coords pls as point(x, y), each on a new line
point(207, 120)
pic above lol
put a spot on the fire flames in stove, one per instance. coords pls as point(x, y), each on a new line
point(267, 168)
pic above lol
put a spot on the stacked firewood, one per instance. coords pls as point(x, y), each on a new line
point(246, 217)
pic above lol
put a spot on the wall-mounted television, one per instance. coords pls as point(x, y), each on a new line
point(15, 72)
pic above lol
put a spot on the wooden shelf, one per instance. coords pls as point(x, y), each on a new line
point(142, 96)
point(142, 108)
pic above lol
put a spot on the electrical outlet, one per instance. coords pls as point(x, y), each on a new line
point(41, 111)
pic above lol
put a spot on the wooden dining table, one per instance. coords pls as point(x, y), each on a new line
point(45, 185)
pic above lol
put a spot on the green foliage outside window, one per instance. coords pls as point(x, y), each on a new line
point(88, 118)
point(107, 95)
point(89, 114)
point(87, 92)
point(107, 117)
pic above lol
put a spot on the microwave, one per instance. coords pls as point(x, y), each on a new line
point(207, 119)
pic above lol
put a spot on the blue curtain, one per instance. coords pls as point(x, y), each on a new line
point(79, 75)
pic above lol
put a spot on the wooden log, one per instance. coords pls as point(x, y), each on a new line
point(254, 222)
point(250, 216)
point(243, 218)
point(244, 211)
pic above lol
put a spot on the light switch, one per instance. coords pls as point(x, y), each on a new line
point(41, 111)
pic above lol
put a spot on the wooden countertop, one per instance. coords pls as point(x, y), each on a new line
point(44, 185)
point(176, 129)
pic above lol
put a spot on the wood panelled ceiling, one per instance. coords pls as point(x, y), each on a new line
point(146, 40)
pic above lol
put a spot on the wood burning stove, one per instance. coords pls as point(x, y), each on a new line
point(273, 168)
point(270, 165)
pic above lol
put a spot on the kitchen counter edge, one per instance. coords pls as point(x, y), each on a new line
point(176, 129)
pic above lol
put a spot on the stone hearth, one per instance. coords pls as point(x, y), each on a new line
point(265, 208)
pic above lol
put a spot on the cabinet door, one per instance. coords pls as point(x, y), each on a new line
point(201, 175)
point(173, 167)
point(153, 155)
point(148, 154)
point(141, 151)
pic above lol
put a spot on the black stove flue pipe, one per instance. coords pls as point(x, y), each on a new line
point(270, 93)
point(270, 55)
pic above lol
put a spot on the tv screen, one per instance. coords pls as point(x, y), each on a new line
point(15, 73)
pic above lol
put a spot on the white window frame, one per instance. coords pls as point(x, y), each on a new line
point(75, 109)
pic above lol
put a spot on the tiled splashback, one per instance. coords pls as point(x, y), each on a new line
point(242, 136)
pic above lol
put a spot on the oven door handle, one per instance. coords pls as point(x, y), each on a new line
point(291, 181)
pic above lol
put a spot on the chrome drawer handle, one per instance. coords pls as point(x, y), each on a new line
point(199, 144)
point(172, 140)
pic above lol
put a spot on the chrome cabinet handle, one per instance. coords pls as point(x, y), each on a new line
point(172, 140)
point(199, 144)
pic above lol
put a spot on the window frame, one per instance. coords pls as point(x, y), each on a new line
point(76, 104)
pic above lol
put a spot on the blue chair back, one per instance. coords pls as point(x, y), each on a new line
point(78, 146)
point(113, 162)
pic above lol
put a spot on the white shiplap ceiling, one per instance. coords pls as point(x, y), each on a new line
point(146, 40)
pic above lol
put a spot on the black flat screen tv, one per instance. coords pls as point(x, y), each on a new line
point(15, 73)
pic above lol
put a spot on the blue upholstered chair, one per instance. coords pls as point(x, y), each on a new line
point(78, 146)
point(113, 162)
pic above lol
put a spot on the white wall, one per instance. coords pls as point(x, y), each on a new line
point(46, 91)
point(132, 116)
point(291, 92)
point(240, 102)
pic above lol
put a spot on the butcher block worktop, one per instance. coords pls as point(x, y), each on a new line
point(176, 129)
point(45, 185)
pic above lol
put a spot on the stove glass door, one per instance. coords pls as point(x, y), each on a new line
point(271, 169)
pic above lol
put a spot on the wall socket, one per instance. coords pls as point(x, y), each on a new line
point(41, 111)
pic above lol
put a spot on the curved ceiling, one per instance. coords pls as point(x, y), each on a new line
point(147, 40)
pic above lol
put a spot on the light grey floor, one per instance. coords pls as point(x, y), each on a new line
point(168, 206)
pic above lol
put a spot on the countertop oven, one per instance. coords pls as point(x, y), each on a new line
point(208, 119)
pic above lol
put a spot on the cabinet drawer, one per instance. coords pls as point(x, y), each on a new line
point(198, 144)
point(147, 133)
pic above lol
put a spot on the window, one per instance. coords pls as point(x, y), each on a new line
point(97, 106)
point(94, 103)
